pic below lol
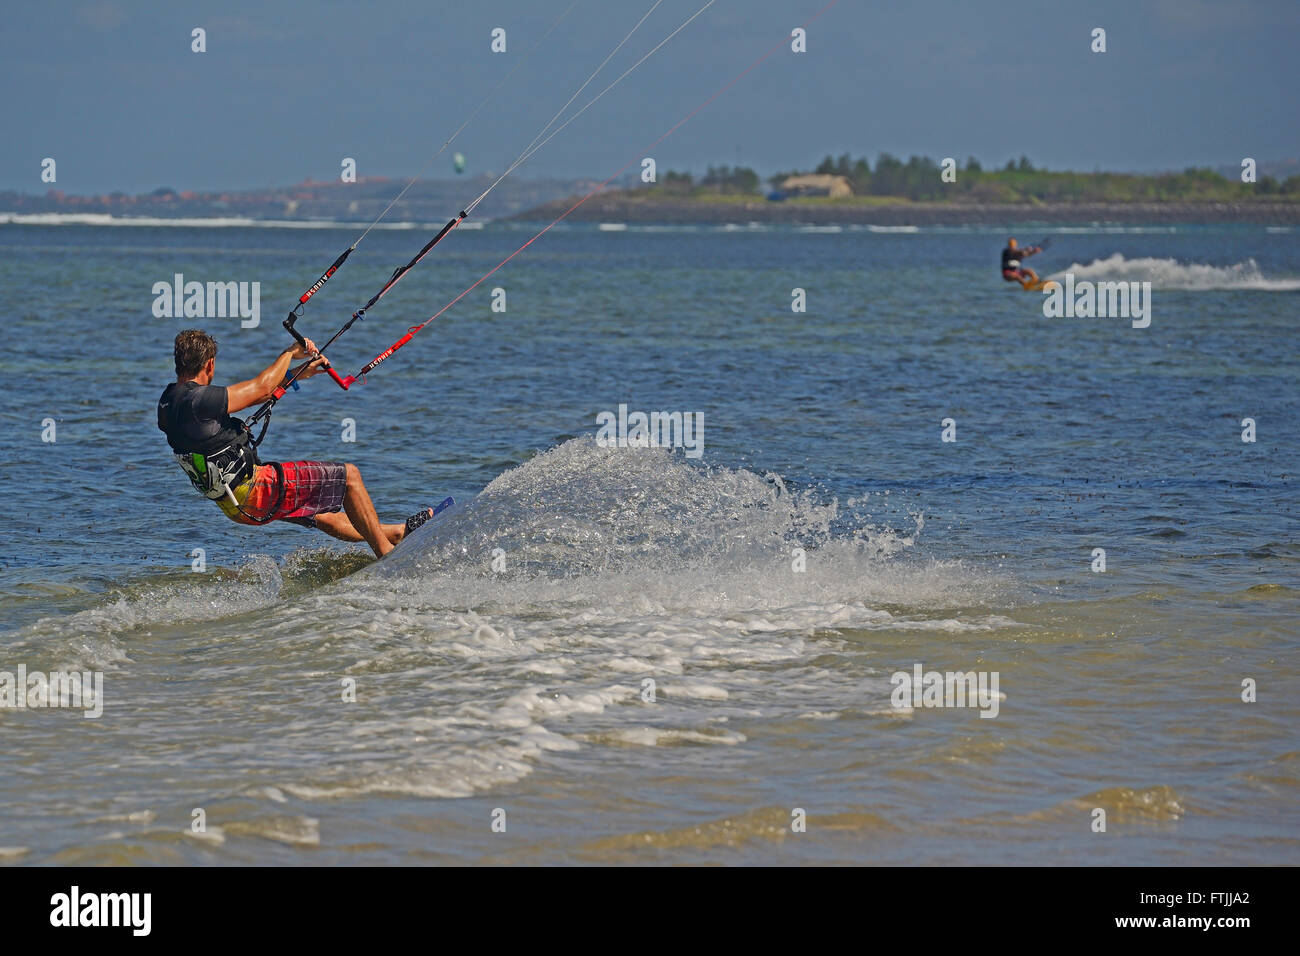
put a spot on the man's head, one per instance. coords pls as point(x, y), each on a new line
point(1012, 244)
point(196, 355)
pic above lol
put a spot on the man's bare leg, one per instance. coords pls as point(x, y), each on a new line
point(361, 513)
point(336, 525)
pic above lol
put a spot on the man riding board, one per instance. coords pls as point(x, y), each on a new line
point(217, 452)
point(1012, 270)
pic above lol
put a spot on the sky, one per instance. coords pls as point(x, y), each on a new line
point(112, 91)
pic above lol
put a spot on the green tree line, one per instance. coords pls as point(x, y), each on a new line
point(918, 178)
point(719, 180)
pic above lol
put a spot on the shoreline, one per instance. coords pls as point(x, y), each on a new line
point(619, 208)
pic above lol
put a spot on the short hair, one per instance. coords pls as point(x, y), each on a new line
point(193, 349)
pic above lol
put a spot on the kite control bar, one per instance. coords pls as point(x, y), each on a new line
point(288, 325)
point(277, 393)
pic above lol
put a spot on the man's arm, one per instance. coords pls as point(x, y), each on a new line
point(256, 390)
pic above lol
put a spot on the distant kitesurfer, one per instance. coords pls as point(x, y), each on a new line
point(1012, 270)
point(216, 451)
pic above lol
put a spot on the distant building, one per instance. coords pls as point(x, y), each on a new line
point(834, 187)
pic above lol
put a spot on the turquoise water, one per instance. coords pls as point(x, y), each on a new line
point(520, 689)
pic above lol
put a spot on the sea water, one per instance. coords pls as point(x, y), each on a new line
point(625, 655)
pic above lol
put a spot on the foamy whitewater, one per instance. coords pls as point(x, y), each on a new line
point(1170, 274)
point(638, 657)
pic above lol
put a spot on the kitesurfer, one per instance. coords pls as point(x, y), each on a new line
point(217, 452)
point(1012, 270)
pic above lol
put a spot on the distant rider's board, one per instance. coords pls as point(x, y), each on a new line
point(1042, 285)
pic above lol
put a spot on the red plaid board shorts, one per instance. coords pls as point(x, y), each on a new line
point(310, 488)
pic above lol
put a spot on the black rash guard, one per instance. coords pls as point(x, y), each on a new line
point(1011, 257)
point(194, 418)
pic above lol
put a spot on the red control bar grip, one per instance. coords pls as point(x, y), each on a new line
point(343, 382)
